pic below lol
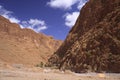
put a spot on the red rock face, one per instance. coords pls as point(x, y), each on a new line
point(93, 44)
point(24, 46)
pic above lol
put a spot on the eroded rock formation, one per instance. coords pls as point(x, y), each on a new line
point(93, 44)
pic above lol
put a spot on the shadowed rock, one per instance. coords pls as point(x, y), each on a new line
point(93, 44)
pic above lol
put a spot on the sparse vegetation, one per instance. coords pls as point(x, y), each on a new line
point(41, 64)
point(45, 65)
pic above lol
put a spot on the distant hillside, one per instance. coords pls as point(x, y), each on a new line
point(93, 44)
point(24, 46)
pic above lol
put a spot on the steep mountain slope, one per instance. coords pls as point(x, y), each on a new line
point(24, 46)
point(93, 44)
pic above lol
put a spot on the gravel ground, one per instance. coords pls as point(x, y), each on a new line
point(47, 74)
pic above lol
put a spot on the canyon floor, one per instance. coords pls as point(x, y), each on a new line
point(20, 72)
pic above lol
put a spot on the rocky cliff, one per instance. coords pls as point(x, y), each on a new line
point(93, 44)
point(24, 46)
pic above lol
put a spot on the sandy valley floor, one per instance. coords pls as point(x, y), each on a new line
point(26, 75)
point(22, 73)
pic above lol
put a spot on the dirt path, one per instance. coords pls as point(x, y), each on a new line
point(47, 74)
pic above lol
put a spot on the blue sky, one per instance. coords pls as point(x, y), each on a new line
point(51, 17)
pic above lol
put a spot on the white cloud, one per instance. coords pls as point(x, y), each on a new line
point(81, 4)
point(70, 18)
point(66, 4)
point(8, 14)
point(35, 24)
point(62, 4)
point(12, 19)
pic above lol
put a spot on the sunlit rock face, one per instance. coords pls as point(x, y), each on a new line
point(93, 44)
point(24, 46)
